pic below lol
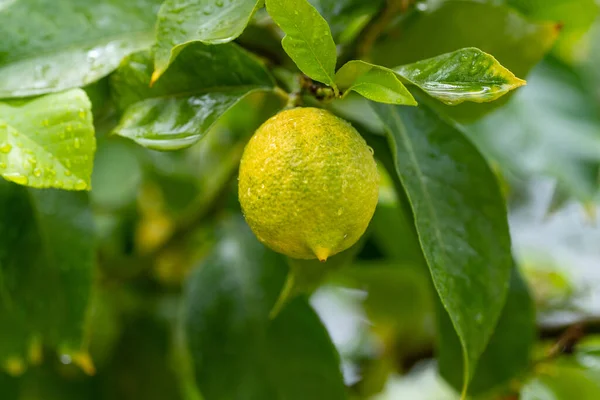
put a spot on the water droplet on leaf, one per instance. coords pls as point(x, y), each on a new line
point(5, 148)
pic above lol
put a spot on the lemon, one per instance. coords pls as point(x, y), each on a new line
point(308, 184)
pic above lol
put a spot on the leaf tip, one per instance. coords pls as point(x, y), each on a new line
point(155, 75)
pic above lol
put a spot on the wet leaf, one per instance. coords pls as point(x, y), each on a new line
point(463, 75)
point(181, 22)
point(46, 260)
point(53, 45)
point(373, 82)
point(509, 351)
point(307, 40)
point(48, 141)
point(460, 217)
point(201, 85)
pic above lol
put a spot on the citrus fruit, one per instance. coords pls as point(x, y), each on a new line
point(308, 184)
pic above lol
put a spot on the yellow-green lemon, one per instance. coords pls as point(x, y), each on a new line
point(308, 184)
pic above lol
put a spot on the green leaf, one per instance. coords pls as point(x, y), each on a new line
point(507, 355)
point(307, 40)
point(227, 301)
point(181, 22)
point(347, 18)
point(460, 217)
point(53, 45)
point(201, 85)
point(463, 75)
point(373, 82)
point(48, 141)
point(515, 42)
point(46, 260)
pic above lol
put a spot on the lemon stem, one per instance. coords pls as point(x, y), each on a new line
point(285, 295)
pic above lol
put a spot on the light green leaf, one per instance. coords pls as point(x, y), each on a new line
point(48, 141)
point(227, 301)
point(46, 260)
point(463, 75)
point(53, 45)
point(497, 366)
point(460, 217)
point(181, 22)
point(201, 85)
point(373, 82)
point(307, 40)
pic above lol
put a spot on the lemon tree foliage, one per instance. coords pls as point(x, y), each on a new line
point(236, 218)
point(48, 141)
point(467, 248)
point(181, 22)
point(185, 103)
point(49, 46)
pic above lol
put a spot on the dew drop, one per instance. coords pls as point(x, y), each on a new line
point(37, 172)
point(371, 150)
point(69, 128)
point(68, 172)
point(80, 185)
point(16, 178)
point(219, 3)
point(2, 165)
point(5, 148)
point(340, 211)
point(77, 143)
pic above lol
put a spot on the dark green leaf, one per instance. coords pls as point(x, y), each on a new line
point(463, 75)
point(181, 22)
point(180, 108)
point(307, 40)
point(515, 42)
point(228, 301)
point(508, 353)
point(373, 82)
point(460, 217)
point(48, 141)
point(46, 259)
point(53, 45)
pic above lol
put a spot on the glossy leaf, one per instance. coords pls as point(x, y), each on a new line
point(515, 42)
point(53, 45)
point(46, 260)
point(181, 22)
point(307, 40)
point(373, 82)
point(199, 87)
point(508, 353)
point(347, 18)
point(463, 75)
point(48, 141)
point(227, 301)
point(460, 218)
